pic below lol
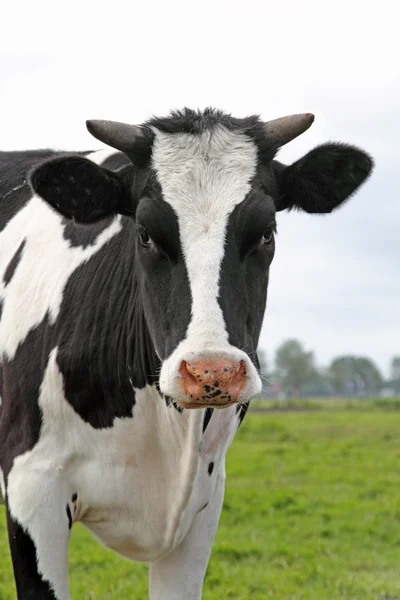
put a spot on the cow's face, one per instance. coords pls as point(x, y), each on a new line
point(203, 193)
point(206, 241)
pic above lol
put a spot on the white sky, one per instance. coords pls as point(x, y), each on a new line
point(335, 280)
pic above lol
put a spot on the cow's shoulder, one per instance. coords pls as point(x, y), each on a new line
point(69, 285)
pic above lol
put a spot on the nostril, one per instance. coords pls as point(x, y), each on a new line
point(240, 375)
point(189, 382)
point(189, 368)
point(187, 371)
point(241, 370)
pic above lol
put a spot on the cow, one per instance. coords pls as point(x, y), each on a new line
point(133, 289)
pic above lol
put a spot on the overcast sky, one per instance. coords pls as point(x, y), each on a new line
point(335, 281)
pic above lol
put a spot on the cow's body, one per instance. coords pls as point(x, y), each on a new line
point(141, 469)
point(93, 424)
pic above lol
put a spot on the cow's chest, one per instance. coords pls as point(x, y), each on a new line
point(138, 485)
point(144, 505)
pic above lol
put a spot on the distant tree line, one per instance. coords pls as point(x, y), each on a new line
point(294, 373)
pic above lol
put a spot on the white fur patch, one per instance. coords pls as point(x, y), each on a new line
point(203, 177)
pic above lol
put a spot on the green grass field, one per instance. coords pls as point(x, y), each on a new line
point(312, 511)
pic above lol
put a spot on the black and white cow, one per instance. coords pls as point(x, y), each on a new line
point(133, 288)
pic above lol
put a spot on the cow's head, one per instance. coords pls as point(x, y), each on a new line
point(203, 191)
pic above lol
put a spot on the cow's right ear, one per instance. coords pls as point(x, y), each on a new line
point(79, 189)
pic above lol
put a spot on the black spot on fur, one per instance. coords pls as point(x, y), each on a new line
point(13, 264)
point(241, 411)
point(204, 507)
point(67, 508)
point(207, 416)
point(74, 497)
point(210, 468)
point(21, 418)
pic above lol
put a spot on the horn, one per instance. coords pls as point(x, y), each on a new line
point(117, 135)
point(286, 129)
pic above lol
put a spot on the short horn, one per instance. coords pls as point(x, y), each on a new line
point(117, 135)
point(286, 129)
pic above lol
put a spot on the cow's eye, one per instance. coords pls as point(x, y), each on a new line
point(267, 237)
point(144, 239)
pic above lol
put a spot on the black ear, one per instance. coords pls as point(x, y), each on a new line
point(79, 189)
point(323, 179)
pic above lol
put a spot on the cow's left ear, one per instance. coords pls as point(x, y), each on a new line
point(322, 179)
point(79, 189)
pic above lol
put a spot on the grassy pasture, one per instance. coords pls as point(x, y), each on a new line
point(312, 511)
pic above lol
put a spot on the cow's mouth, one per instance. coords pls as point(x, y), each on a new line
point(194, 405)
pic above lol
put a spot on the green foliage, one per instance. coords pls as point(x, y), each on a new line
point(264, 369)
point(311, 512)
point(357, 375)
point(395, 368)
point(294, 366)
point(395, 373)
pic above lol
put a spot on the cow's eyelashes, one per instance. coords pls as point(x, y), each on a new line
point(145, 239)
point(148, 243)
point(267, 238)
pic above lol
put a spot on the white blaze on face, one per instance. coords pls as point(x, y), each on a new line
point(203, 177)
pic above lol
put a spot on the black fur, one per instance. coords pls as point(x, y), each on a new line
point(69, 516)
point(207, 417)
point(21, 418)
point(79, 189)
point(245, 270)
point(323, 179)
point(242, 411)
point(13, 264)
